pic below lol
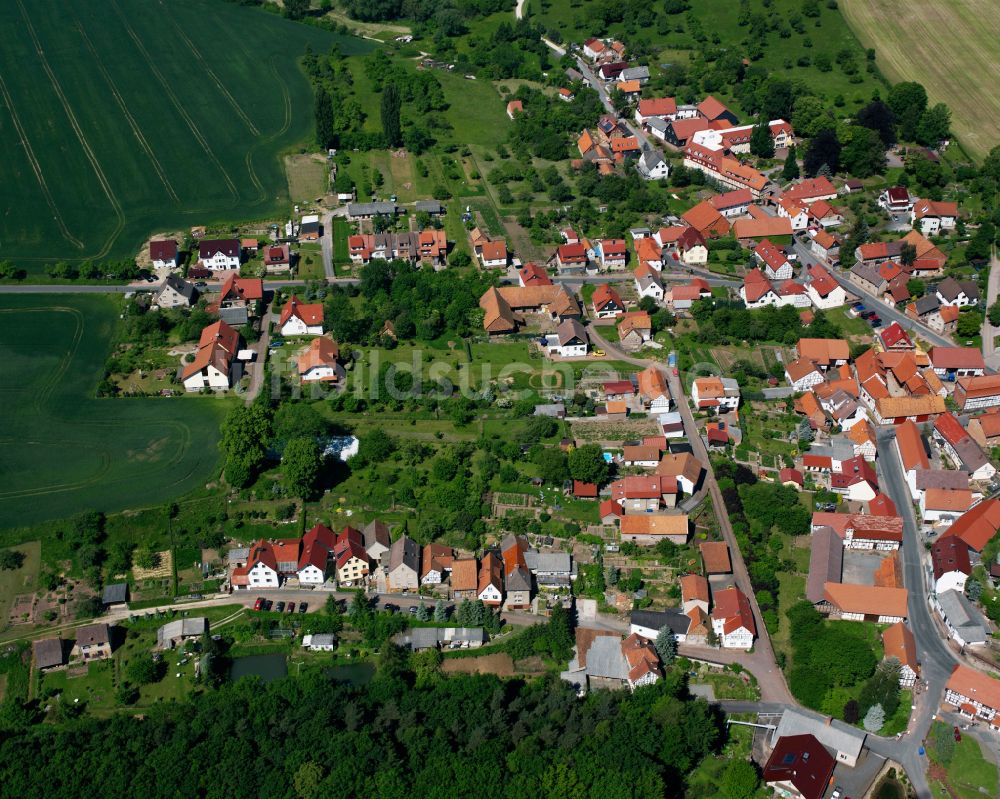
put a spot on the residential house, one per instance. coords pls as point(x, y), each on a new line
point(732, 204)
point(493, 254)
point(824, 291)
point(799, 767)
point(975, 694)
point(950, 564)
point(682, 298)
point(240, 299)
point(721, 393)
point(896, 200)
point(677, 132)
point(663, 107)
point(965, 624)
point(868, 278)
point(823, 214)
point(317, 546)
point(844, 740)
point(647, 279)
point(644, 493)
point(301, 319)
point(772, 258)
point(751, 229)
point(694, 593)
point(320, 362)
point(48, 653)
point(176, 632)
point(277, 258)
point(260, 569)
point(866, 602)
point(931, 217)
point(797, 215)
point(219, 254)
point(634, 330)
point(570, 340)
point(942, 506)
point(960, 447)
point(612, 253)
point(895, 339)
point(647, 624)
point(517, 577)
point(490, 587)
point(163, 253)
point(503, 306)
point(435, 563)
point(791, 478)
point(531, 274)
point(706, 220)
point(732, 619)
point(640, 74)
point(175, 293)
point(825, 245)
point(737, 139)
point(912, 453)
point(810, 190)
point(685, 467)
point(985, 430)
point(646, 457)
point(802, 375)
point(570, 257)
point(653, 390)
point(214, 365)
point(648, 529)
point(691, 247)
point(963, 293)
point(403, 570)
point(954, 362)
point(309, 227)
point(93, 642)
point(898, 642)
point(757, 291)
point(351, 558)
point(602, 658)
point(464, 578)
point(606, 302)
point(977, 393)
point(651, 165)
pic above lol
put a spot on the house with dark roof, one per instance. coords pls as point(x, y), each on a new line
point(219, 254)
point(799, 767)
point(403, 570)
point(93, 642)
point(377, 539)
point(214, 364)
point(175, 292)
point(115, 594)
point(163, 253)
point(48, 653)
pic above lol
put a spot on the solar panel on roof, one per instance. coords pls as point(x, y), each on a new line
point(788, 759)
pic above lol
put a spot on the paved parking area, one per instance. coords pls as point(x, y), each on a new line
point(860, 566)
point(855, 782)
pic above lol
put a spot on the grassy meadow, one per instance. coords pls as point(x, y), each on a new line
point(121, 118)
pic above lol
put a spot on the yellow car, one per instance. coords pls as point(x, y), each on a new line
point(598, 353)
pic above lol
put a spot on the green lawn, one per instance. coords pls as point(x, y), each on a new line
point(19, 581)
point(64, 451)
point(92, 165)
point(970, 773)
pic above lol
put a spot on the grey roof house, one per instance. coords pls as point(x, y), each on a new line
point(404, 565)
point(377, 539)
point(115, 594)
point(48, 653)
point(963, 621)
point(179, 630)
point(419, 638)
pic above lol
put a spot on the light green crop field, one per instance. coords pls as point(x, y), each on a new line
point(62, 450)
point(120, 118)
point(951, 48)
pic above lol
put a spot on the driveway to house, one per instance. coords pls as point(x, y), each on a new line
point(760, 662)
point(257, 369)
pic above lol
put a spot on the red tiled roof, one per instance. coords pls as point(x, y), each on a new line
point(311, 314)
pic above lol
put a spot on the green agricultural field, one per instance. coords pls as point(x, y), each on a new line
point(119, 118)
point(951, 48)
point(61, 449)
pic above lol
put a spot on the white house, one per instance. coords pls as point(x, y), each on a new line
point(262, 566)
point(648, 283)
point(651, 165)
point(722, 393)
point(298, 319)
point(570, 340)
point(772, 258)
point(802, 375)
point(931, 217)
point(824, 292)
point(794, 213)
point(219, 254)
point(896, 200)
point(163, 254)
point(175, 293)
point(214, 365)
point(732, 619)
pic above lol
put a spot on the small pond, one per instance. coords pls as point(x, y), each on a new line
point(267, 667)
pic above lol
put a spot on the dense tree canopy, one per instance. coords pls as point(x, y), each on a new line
point(440, 737)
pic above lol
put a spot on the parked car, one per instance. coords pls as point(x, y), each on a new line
point(412, 610)
point(290, 608)
point(268, 604)
point(259, 604)
point(837, 793)
point(280, 607)
point(958, 734)
point(390, 608)
point(875, 321)
point(200, 284)
point(303, 607)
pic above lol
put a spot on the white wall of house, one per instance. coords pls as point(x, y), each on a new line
point(209, 377)
point(296, 327)
point(834, 299)
point(263, 576)
point(951, 581)
point(311, 575)
point(221, 261)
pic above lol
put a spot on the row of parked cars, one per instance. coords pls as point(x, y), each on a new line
point(872, 318)
point(265, 605)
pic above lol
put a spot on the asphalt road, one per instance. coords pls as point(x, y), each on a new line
point(936, 660)
point(991, 355)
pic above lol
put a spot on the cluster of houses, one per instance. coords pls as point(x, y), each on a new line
point(217, 256)
point(508, 576)
point(427, 247)
point(603, 659)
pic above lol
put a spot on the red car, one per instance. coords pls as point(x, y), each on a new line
point(958, 734)
point(259, 603)
point(290, 608)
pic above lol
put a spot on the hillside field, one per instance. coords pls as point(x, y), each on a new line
point(951, 48)
point(119, 118)
point(62, 450)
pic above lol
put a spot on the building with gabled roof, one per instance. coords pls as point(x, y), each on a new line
point(715, 557)
point(694, 593)
point(976, 527)
point(214, 365)
point(704, 218)
point(732, 619)
point(403, 565)
point(649, 529)
point(301, 319)
point(856, 602)
point(490, 588)
point(898, 642)
point(799, 767)
point(977, 393)
point(975, 694)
